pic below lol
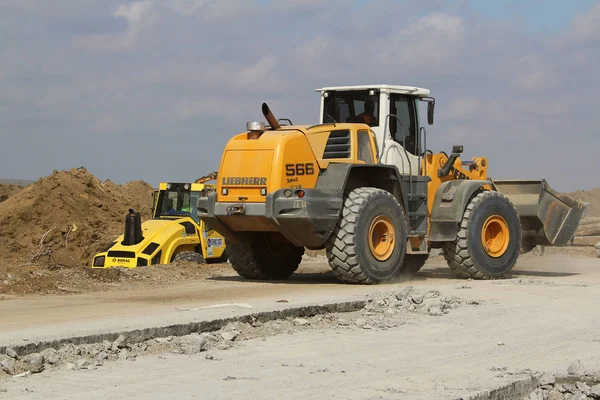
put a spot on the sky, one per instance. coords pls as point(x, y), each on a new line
point(153, 89)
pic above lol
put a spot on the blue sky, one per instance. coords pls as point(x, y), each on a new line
point(152, 90)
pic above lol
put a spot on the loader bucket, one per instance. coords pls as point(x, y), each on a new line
point(547, 217)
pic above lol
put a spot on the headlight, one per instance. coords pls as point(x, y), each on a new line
point(99, 261)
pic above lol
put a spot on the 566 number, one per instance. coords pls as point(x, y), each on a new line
point(299, 169)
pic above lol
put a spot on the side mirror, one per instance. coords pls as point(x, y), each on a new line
point(457, 149)
point(430, 107)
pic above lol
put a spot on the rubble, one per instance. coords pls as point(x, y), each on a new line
point(382, 311)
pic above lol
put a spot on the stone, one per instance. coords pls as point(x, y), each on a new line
point(102, 356)
point(578, 396)
point(123, 355)
point(576, 368)
point(560, 388)
point(535, 395)
point(51, 356)
point(360, 322)
point(33, 362)
point(569, 388)
point(69, 366)
point(554, 395)
point(417, 298)
point(583, 388)
point(435, 311)
point(120, 343)
point(8, 366)
point(547, 379)
point(343, 322)
point(404, 293)
point(300, 321)
point(595, 391)
point(223, 346)
point(83, 363)
point(229, 335)
point(193, 344)
point(12, 353)
point(210, 357)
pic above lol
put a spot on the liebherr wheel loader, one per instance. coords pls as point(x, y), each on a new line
point(363, 185)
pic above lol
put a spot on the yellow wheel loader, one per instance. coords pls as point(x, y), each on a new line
point(175, 233)
point(363, 185)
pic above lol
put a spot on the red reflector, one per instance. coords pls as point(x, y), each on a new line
point(300, 193)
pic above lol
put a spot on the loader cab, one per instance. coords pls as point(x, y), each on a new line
point(396, 127)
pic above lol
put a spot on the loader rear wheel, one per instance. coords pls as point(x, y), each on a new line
point(190, 256)
point(270, 256)
point(489, 240)
point(368, 244)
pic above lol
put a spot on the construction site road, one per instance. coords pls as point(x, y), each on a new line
point(542, 318)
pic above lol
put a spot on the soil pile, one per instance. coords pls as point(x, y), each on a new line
point(590, 196)
point(8, 190)
point(589, 231)
point(63, 219)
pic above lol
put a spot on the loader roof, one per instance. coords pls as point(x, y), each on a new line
point(412, 90)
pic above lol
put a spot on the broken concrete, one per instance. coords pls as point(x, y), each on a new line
point(382, 311)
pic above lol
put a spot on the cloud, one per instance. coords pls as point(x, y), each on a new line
point(140, 16)
point(586, 25)
point(91, 73)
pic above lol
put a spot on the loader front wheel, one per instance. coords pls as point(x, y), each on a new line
point(368, 244)
point(189, 256)
point(270, 256)
point(489, 240)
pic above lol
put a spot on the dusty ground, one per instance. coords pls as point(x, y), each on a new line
point(543, 318)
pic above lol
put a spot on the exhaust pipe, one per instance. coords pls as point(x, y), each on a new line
point(270, 117)
point(133, 228)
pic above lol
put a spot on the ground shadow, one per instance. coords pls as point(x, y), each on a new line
point(446, 273)
point(296, 279)
point(438, 273)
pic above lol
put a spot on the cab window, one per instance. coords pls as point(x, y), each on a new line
point(352, 106)
point(406, 132)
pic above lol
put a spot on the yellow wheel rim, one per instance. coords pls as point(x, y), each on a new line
point(381, 238)
point(495, 236)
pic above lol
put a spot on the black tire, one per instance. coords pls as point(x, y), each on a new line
point(348, 250)
point(260, 260)
point(190, 256)
point(466, 255)
point(413, 263)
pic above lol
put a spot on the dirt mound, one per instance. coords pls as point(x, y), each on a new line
point(8, 190)
point(63, 219)
point(590, 196)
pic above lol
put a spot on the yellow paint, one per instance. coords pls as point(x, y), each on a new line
point(495, 236)
point(290, 157)
point(433, 162)
point(381, 238)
